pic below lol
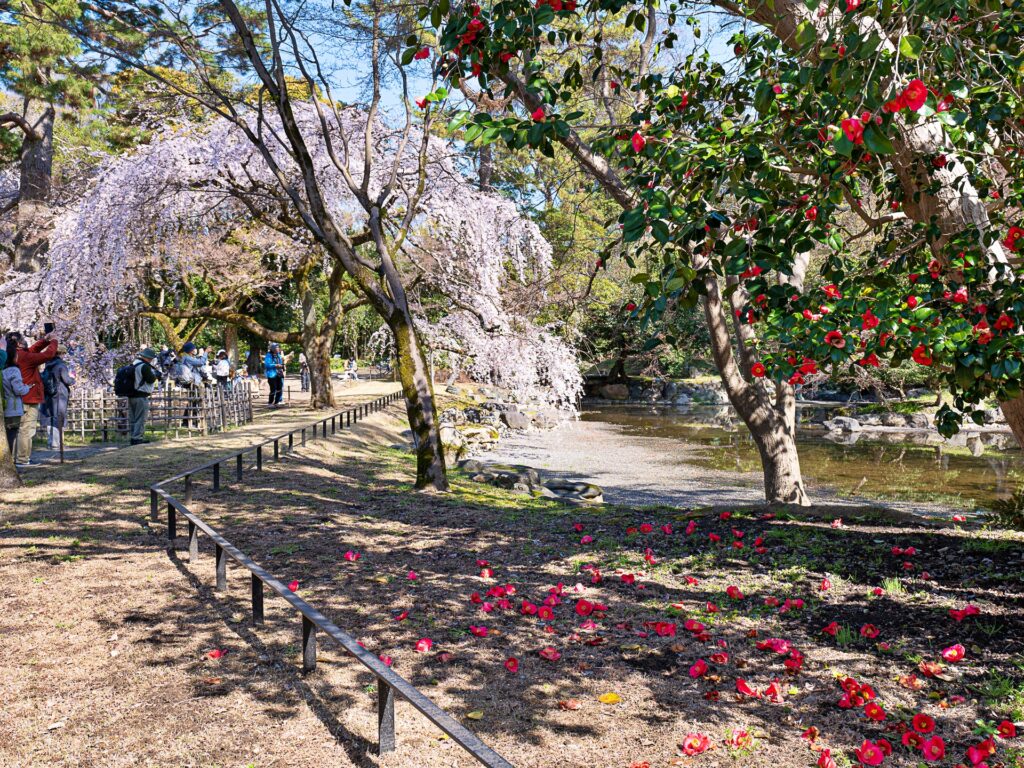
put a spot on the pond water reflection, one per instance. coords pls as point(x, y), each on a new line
point(971, 471)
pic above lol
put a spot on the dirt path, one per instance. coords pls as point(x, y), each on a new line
point(103, 638)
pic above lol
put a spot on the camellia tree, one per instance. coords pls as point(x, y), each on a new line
point(732, 173)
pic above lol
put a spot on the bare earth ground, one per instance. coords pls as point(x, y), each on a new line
point(103, 661)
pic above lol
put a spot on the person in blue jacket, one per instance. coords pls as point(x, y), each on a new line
point(273, 365)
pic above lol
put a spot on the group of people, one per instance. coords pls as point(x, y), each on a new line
point(37, 384)
point(193, 369)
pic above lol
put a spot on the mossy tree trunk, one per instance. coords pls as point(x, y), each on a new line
point(418, 388)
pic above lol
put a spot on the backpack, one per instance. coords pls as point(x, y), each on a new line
point(182, 374)
point(49, 383)
point(124, 381)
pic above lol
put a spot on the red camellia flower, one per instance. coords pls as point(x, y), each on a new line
point(699, 668)
point(853, 128)
point(934, 749)
point(352, 556)
point(630, 307)
point(512, 664)
point(832, 292)
point(981, 751)
point(1004, 323)
point(915, 95)
point(825, 759)
point(811, 214)
point(1014, 239)
point(825, 585)
point(911, 301)
point(549, 653)
point(478, 631)
point(638, 142)
point(870, 361)
point(912, 739)
point(744, 688)
point(874, 711)
point(424, 644)
point(920, 355)
point(694, 744)
point(870, 631)
point(831, 629)
point(870, 753)
point(584, 607)
point(758, 370)
point(1007, 730)
point(869, 320)
point(421, 54)
point(294, 586)
point(954, 653)
point(923, 724)
point(218, 653)
point(835, 339)
point(734, 592)
point(852, 5)
point(538, 114)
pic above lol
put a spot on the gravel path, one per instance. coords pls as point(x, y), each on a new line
point(631, 469)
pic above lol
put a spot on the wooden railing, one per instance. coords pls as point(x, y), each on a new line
point(389, 684)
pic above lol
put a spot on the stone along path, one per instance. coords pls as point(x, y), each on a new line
point(103, 638)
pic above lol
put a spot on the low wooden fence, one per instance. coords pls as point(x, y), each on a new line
point(390, 685)
point(99, 414)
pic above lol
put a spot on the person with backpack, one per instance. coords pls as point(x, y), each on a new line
point(274, 364)
point(30, 358)
point(57, 383)
point(14, 390)
point(191, 378)
point(136, 381)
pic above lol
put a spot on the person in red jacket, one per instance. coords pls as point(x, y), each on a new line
point(29, 359)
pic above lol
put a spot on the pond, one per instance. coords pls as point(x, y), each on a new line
point(969, 472)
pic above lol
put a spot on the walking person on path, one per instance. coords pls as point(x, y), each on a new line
point(138, 402)
point(29, 359)
point(57, 382)
point(274, 364)
point(14, 389)
point(304, 371)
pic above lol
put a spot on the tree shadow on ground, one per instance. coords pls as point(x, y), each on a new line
point(298, 523)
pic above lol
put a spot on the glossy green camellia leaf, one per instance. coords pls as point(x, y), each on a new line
point(877, 142)
point(911, 46)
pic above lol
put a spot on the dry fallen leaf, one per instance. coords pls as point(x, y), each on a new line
point(476, 714)
point(609, 698)
point(570, 704)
